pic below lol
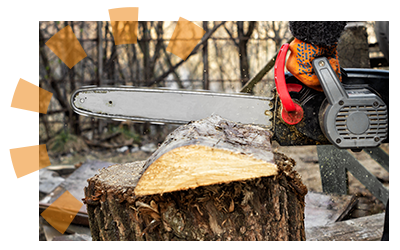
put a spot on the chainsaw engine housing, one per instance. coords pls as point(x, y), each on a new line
point(360, 83)
point(359, 121)
point(352, 118)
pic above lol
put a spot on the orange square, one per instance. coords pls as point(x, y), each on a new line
point(124, 14)
point(67, 47)
point(62, 212)
point(124, 23)
point(26, 96)
point(44, 100)
point(25, 160)
point(185, 38)
point(31, 97)
point(125, 32)
point(44, 160)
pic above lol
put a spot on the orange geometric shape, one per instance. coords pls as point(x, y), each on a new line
point(29, 159)
point(124, 23)
point(125, 32)
point(185, 37)
point(30, 97)
point(44, 100)
point(44, 160)
point(124, 14)
point(62, 211)
point(66, 46)
point(181, 18)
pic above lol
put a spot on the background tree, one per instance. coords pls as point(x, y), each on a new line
point(243, 36)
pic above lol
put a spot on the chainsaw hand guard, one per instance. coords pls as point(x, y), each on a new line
point(291, 112)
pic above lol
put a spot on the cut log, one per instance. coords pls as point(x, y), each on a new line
point(210, 180)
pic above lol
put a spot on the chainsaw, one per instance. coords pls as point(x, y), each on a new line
point(351, 114)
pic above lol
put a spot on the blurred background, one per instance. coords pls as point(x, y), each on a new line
point(234, 53)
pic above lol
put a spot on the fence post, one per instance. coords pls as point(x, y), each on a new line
point(100, 51)
point(206, 84)
point(332, 170)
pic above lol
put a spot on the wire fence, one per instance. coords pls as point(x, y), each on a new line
point(216, 66)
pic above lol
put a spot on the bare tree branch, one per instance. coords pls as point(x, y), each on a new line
point(194, 51)
point(248, 87)
point(231, 36)
point(243, 40)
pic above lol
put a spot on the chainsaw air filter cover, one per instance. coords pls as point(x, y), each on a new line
point(353, 118)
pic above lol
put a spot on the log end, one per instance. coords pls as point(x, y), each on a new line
point(206, 152)
point(198, 165)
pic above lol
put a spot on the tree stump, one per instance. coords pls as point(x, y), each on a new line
point(210, 180)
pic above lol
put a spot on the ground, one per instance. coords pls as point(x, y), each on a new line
point(306, 164)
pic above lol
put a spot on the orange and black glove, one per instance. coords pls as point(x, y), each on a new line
point(300, 60)
point(312, 40)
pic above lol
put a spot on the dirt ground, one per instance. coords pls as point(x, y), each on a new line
point(307, 165)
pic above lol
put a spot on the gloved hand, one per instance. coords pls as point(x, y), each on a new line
point(300, 60)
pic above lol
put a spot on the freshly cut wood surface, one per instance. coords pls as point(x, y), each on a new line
point(206, 152)
point(196, 165)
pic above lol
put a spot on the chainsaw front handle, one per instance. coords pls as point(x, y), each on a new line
point(292, 113)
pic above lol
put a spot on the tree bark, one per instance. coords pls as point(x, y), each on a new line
point(194, 51)
point(242, 45)
point(210, 180)
point(248, 87)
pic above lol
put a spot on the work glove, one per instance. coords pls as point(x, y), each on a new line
point(300, 60)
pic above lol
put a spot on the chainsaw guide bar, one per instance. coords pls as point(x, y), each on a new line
point(350, 114)
point(170, 106)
